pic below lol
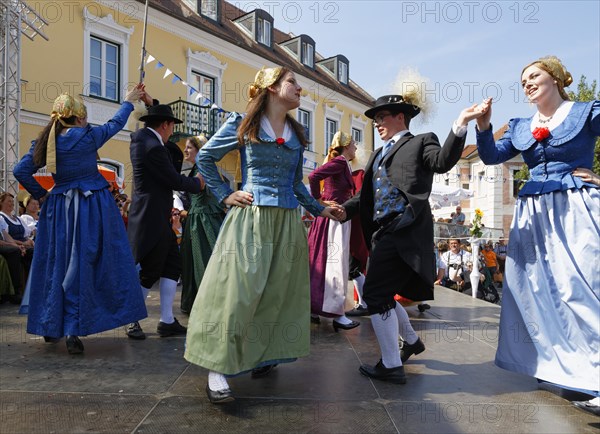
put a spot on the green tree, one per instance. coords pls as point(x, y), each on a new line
point(585, 92)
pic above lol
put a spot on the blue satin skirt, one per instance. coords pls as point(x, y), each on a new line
point(550, 318)
point(83, 278)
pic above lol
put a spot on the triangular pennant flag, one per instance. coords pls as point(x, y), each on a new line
point(198, 96)
point(191, 90)
point(158, 65)
point(214, 107)
point(167, 73)
point(175, 79)
point(150, 59)
point(184, 83)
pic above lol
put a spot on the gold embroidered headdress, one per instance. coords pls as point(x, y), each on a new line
point(64, 107)
point(553, 66)
point(264, 78)
point(340, 140)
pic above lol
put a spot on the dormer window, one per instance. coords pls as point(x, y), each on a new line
point(263, 33)
point(207, 8)
point(302, 48)
point(308, 54)
point(258, 24)
point(337, 67)
point(343, 72)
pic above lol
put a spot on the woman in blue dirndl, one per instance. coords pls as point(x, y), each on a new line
point(550, 319)
point(83, 278)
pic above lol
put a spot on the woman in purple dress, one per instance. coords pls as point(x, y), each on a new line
point(328, 240)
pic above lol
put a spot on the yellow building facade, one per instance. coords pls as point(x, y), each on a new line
point(201, 58)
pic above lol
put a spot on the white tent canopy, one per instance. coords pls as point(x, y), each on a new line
point(447, 195)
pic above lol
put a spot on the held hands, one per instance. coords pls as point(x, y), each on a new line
point(335, 212)
point(239, 198)
point(587, 175)
point(481, 112)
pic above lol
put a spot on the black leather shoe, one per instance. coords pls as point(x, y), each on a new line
point(423, 307)
point(134, 331)
point(174, 329)
point(314, 319)
point(74, 345)
point(588, 407)
point(380, 372)
point(408, 350)
point(51, 340)
point(339, 325)
point(219, 396)
point(358, 311)
point(263, 370)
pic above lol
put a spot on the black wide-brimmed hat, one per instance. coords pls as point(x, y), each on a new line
point(160, 112)
point(393, 102)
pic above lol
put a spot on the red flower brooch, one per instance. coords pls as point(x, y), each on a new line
point(280, 141)
point(540, 134)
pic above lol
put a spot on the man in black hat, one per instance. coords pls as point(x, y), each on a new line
point(397, 225)
point(152, 240)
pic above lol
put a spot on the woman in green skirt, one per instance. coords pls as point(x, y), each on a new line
point(202, 226)
point(252, 307)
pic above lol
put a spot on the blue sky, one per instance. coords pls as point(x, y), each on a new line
point(466, 49)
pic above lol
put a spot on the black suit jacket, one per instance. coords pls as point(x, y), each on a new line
point(176, 155)
point(154, 179)
point(410, 165)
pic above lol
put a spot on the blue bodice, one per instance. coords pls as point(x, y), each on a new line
point(550, 161)
point(271, 172)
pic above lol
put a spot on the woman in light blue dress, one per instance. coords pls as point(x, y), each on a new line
point(83, 279)
point(550, 320)
point(253, 304)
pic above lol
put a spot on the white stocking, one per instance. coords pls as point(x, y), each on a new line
point(386, 329)
point(168, 287)
point(405, 327)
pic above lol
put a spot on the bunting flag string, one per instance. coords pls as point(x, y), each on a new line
point(176, 78)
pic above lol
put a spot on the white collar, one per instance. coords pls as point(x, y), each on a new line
point(558, 117)
point(265, 124)
point(11, 217)
point(396, 137)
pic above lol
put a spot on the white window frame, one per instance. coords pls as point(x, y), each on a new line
point(329, 134)
point(103, 73)
point(308, 54)
point(310, 126)
point(360, 124)
point(200, 77)
point(361, 135)
point(205, 63)
point(342, 72)
point(107, 29)
point(310, 106)
point(263, 37)
point(331, 113)
point(203, 10)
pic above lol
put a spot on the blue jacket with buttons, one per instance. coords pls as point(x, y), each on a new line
point(271, 172)
point(551, 161)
